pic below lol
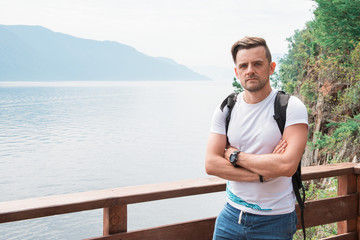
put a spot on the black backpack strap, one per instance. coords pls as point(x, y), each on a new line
point(297, 186)
point(229, 101)
point(280, 106)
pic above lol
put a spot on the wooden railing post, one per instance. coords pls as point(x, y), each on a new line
point(115, 220)
point(357, 173)
point(358, 213)
point(347, 184)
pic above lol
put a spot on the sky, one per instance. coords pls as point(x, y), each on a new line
point(191, 32)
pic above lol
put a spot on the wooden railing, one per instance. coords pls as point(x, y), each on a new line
point(343, 209)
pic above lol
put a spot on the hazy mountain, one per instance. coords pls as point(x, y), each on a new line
point(34, 53)
point(215, 72)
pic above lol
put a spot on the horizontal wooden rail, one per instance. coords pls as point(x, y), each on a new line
point(115, 201)
point(325, 171)
point(317, 213)
point(76, 202)
point(324, 211)
point(344, 236)
point(199, 229)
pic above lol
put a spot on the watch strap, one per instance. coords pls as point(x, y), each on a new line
point(261, 178)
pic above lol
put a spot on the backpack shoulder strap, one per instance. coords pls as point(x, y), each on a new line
point(280, 105)
point(229, 101)
point(297, 186)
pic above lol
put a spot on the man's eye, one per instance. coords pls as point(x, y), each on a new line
point(243, 66)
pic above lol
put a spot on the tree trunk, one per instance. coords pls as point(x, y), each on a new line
point(311, 156)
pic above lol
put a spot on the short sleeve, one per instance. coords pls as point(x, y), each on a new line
point(218, 121)
point(296, 112)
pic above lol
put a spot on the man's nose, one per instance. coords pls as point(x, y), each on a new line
point(250, 69)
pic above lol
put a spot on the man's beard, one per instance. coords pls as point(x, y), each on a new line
point(257, 87)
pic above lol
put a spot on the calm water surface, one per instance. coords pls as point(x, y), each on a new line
point(58, 138)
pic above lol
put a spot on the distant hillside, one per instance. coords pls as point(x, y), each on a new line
point(216, 73)
point(34, 53)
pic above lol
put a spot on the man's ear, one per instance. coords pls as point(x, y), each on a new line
point(272, 67)
point(236, 73)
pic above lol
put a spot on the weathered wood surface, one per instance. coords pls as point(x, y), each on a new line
point(345, 236)
point(199, 229)
point(53, 205)
point(347, 184)
point(324, 171)
point(316, 213)
point(115, 201)
point(330, 210)
point(358, 218)
point(115, 219)
point(357, 169)
point(60, 204)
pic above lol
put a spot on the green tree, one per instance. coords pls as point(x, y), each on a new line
point(237, 86)
point(293, 66)
point(337, 24)
point(322, 67)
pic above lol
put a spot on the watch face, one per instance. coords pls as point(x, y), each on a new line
point(233, 158)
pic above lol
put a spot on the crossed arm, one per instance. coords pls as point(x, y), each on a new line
point(282, 162)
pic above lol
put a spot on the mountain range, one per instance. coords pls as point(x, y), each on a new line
point(35, 53)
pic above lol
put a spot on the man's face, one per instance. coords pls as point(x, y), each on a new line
point(253, 68)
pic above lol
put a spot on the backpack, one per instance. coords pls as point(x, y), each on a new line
point(280, 106)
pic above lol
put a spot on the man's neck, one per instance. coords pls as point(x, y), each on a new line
point(257, 96)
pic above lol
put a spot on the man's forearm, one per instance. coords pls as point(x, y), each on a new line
point(217, 165)
point(285, 158)
point(222, 168)
point(261, 164)
point(268, 165)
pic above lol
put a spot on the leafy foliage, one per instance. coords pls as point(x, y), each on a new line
point(344, 132)
point(292, 65)
point(237, 86)
point(337, 24)
point(322, 67)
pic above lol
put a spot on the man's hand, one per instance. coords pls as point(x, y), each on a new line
point(284, 159)
point(280, 147)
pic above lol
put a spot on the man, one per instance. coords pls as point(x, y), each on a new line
point(260, 200)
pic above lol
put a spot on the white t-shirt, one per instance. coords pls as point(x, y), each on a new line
point(253, 129)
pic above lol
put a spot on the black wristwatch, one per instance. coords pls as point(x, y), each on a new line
point(233, 158)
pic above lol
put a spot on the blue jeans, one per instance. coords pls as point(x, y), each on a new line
point(253, 227)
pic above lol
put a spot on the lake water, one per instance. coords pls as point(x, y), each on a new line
point(58, 138)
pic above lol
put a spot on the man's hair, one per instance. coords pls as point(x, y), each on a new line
point(250, 42)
